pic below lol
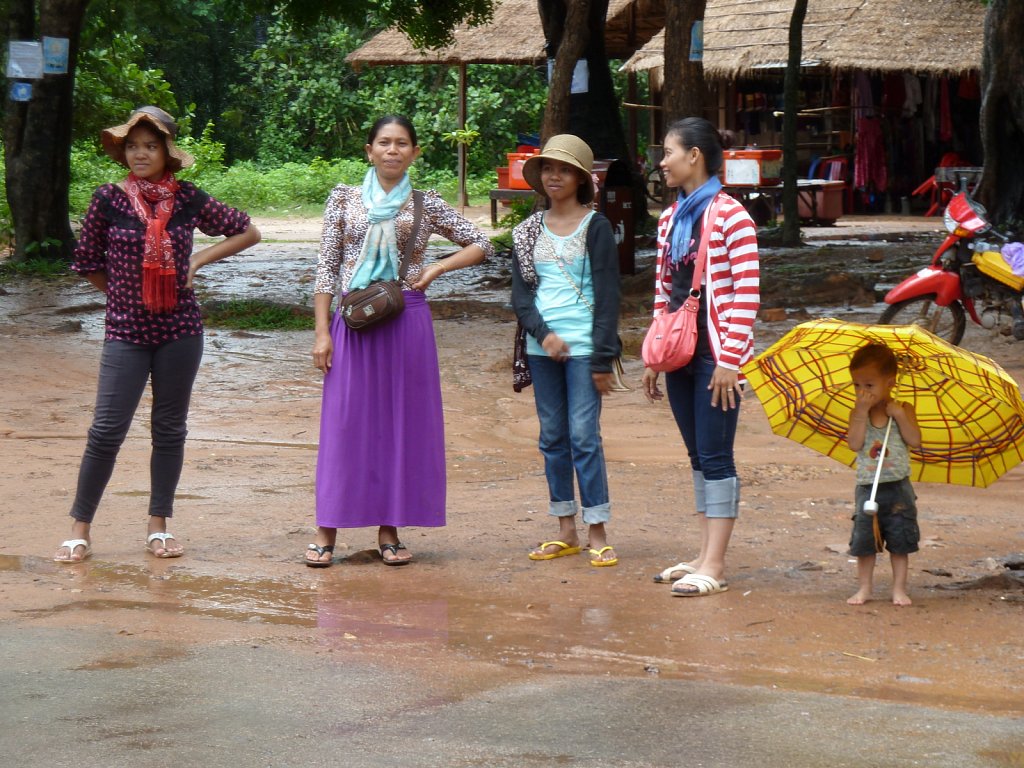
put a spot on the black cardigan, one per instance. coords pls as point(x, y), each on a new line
point(604, 266)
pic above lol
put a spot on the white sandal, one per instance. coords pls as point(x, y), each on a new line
point(162, 538)
point(700, 584)
point(668, 576)
point(71, 544)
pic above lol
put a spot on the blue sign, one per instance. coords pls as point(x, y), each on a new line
point(55, 55)
point(21, 91)
point(697, 41)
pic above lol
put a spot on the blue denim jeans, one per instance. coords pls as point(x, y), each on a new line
point(709, 434)
point(569, 410)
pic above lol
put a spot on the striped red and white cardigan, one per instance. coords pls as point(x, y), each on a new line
point(734, 276)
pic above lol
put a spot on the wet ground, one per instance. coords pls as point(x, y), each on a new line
point(239, 655)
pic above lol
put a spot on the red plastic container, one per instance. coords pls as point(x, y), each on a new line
point(752, 168)
point(502, 177)
point(515, 169)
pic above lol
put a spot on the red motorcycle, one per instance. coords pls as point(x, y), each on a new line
point(967, 276)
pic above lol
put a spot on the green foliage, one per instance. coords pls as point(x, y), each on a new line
point(36, 266)
point(299, 96)
point(255, 315)
point(112, 80)
point(427, 24)
point(6, 224)
point(90, 168)
point(302, 100)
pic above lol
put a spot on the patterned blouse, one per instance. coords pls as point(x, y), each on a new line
point(345, 226)
point(112, 240)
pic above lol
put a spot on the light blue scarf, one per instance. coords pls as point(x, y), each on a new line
point(688, 208)
point(379, 257)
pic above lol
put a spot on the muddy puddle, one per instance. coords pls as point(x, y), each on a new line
point(581, 624)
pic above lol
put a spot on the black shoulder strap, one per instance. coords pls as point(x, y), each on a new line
point(410, 244)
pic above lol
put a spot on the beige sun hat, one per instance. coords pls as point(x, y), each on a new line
point(567, 148)
point(113, 138)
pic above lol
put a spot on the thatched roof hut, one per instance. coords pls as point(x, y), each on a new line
point(925, 36)
point(514, 36)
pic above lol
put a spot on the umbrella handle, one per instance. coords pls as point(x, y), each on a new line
point(871, 506)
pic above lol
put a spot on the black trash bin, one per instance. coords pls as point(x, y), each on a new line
point(615, 200)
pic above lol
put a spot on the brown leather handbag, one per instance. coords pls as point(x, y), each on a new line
point(382, 300)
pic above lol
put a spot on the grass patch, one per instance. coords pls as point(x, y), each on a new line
point(256, 315)
point(34, 267)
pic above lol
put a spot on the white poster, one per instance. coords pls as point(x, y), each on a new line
point(24, 59)
point(580, 76)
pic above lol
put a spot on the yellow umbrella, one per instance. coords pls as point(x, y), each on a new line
point(969, 409)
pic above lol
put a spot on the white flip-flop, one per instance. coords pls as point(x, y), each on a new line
point(162, 538)
point(71, 544)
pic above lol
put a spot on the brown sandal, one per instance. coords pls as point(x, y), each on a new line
point(393, 549)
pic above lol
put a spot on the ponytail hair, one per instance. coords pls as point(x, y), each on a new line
point(700, 133)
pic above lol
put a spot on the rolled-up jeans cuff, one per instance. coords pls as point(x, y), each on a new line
point(597, 515)
point(562, 508)
point(699, 496)
point(723, 498)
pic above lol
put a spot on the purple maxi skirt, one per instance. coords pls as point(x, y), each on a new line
point(381, 458)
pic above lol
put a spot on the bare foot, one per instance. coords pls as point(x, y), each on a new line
point(860, 598)
point(901, 598)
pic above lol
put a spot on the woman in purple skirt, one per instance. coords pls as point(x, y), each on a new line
point(381, 460)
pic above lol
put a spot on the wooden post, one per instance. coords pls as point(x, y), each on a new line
point(463, 197)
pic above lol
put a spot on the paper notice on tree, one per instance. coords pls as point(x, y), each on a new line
point(55, 55)
point(24, 59)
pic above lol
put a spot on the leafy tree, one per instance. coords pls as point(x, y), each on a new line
point(112, 79)
point(302, 100)
point(37, 134)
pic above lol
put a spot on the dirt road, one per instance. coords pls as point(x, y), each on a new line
point(473, 608)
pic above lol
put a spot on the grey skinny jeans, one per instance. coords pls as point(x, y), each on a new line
point(124, 370)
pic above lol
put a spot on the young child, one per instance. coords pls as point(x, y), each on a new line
point(873, 369)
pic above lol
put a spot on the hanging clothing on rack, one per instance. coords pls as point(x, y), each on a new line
point(869, 165)
point(945, 114)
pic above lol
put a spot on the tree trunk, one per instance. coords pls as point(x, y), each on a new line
point(567, 31)
point(1002, 112)
point(791, 89)
point(574, 29)
point(685, 88)
point(37, 135)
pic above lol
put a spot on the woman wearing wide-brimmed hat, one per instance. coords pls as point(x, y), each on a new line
point(381, 460)
point(565, 292)
point(136, 246)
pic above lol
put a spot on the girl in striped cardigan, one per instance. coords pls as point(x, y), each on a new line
point(705, 394)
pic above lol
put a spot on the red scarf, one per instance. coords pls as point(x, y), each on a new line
point(153, 203)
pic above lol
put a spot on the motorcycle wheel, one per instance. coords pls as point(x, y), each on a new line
point(947, 322)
